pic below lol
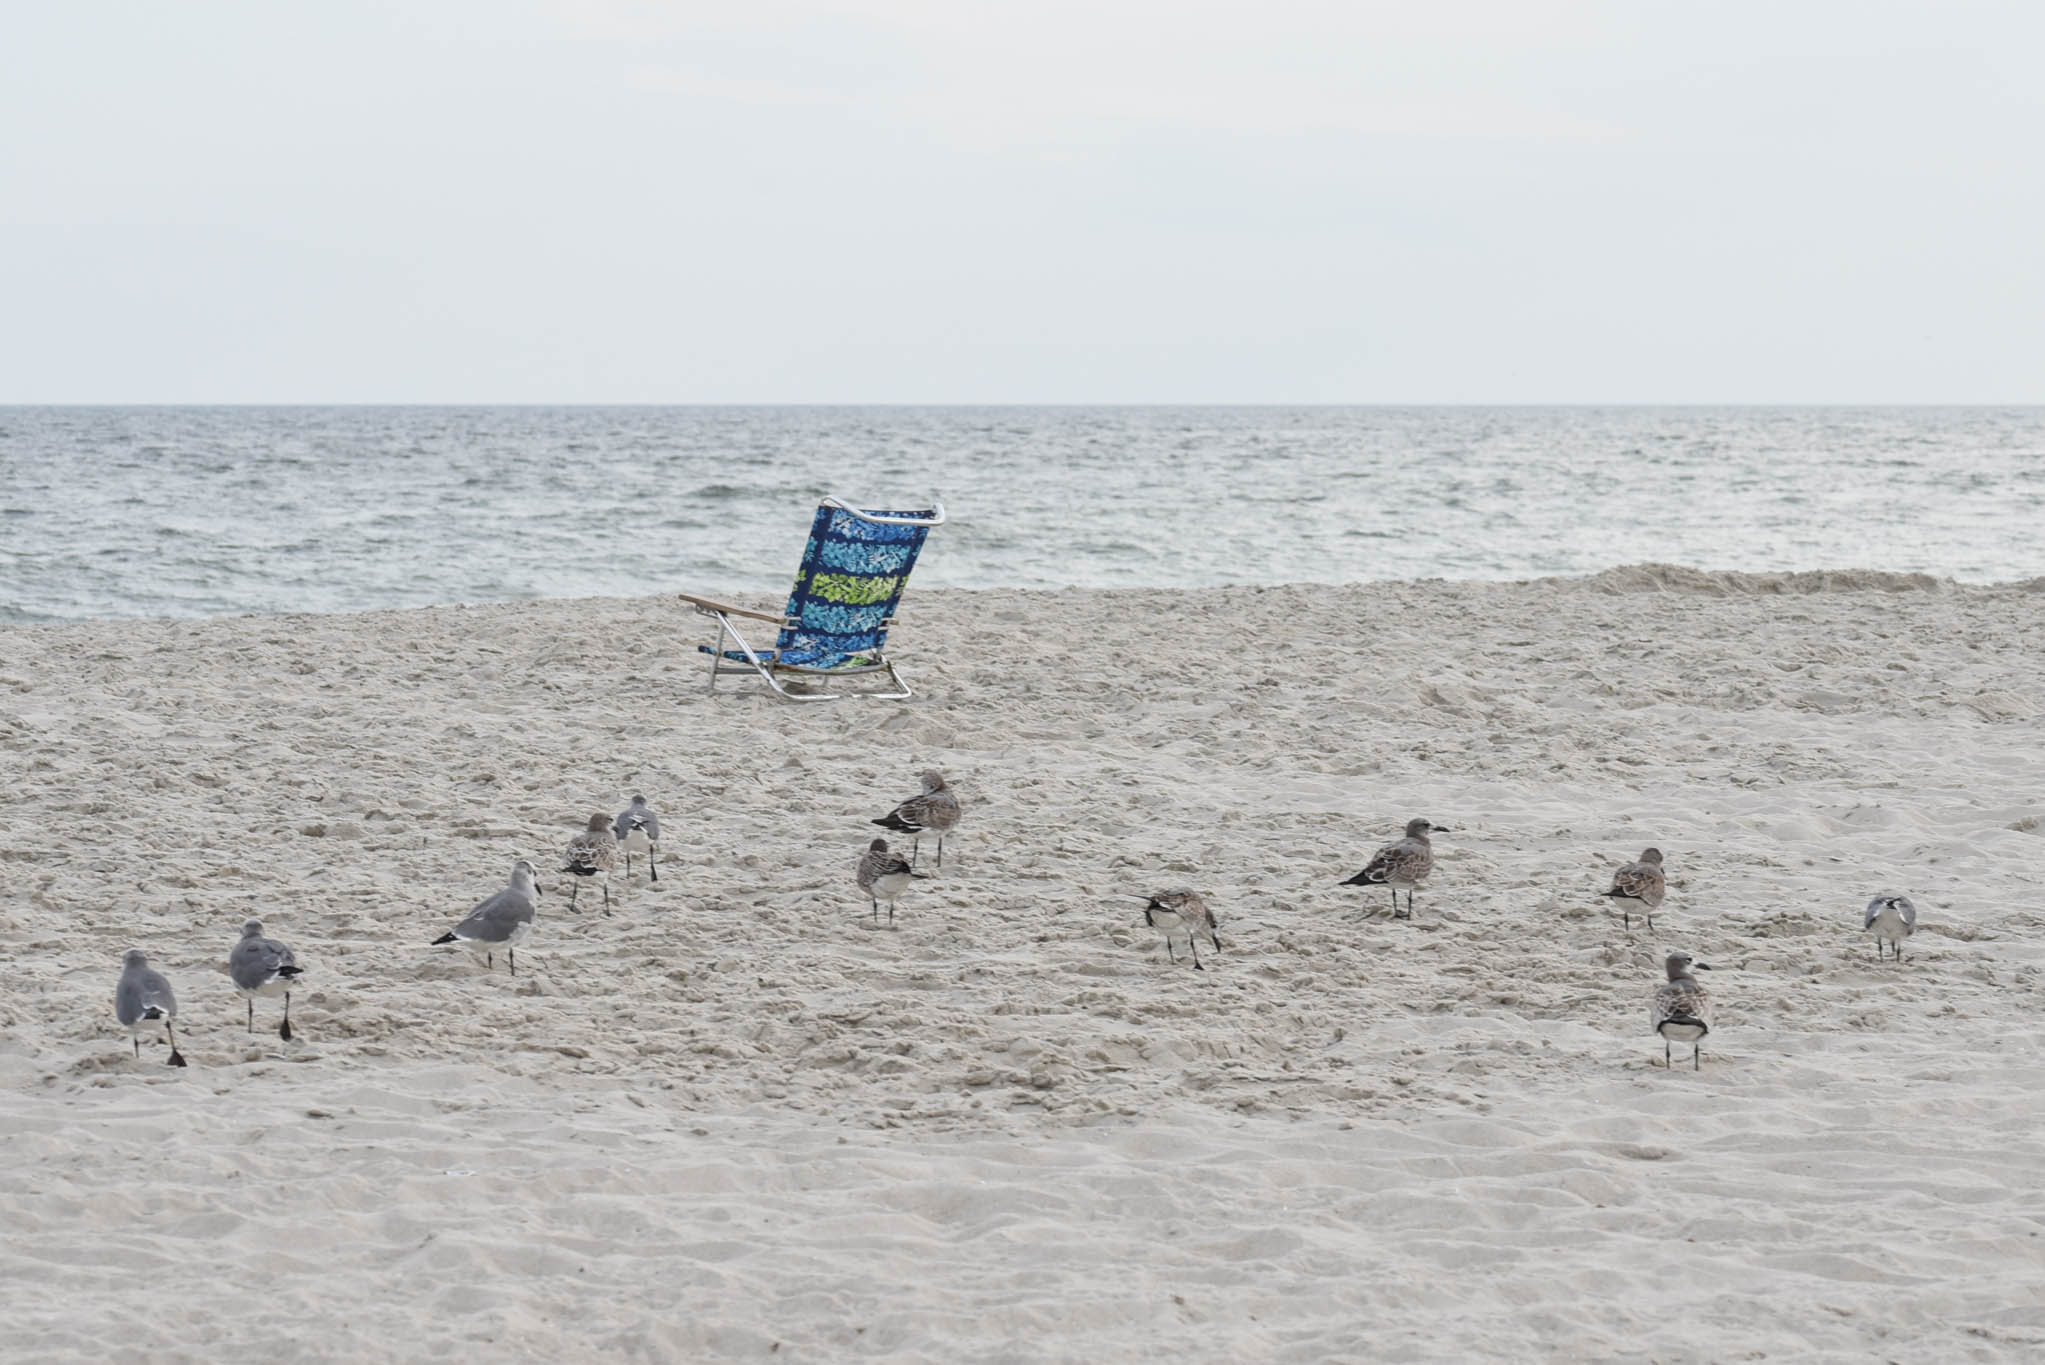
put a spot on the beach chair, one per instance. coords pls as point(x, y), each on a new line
point(836, 622)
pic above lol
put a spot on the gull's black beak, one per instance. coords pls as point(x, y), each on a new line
point(1700, 966)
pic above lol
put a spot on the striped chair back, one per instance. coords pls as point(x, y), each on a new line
point(852, 575)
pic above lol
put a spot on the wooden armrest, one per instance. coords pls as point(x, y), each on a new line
point(705, 604)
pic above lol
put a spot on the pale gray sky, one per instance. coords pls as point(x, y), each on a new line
point(1438, 201)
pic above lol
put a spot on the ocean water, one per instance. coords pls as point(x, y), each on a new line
point(123, 512)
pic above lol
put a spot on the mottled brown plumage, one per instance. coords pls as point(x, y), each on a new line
point(1183, 914)
point(592, 853)
point(883, 876)
point(1640, 885)
point(1681, 1011)
point(936, 811)
point(1402, 864)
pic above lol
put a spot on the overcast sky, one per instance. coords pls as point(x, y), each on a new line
point(1043, 202)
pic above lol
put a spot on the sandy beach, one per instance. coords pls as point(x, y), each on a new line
point(733, 1121)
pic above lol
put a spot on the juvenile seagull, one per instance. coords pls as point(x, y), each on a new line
point(501, 921)
point(1890, 917)
point(1181, 912)
point(263, 966)
point(883, 876)
point(637, 830)
point(592, 853)
point(934, 812)
point(1640, 884)
point(1402, 864)
point(1681, 1011)
point(144, 998)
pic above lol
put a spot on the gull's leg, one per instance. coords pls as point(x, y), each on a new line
point(1667, 1060)
point(1695, 1065)
point(176, 1058)
point(285, 1032)
point(653, 864)
point(511, 956)
point(136, 1039)
point(607, 895)
point(252, 1014)
point(940, 850)
point(1193, 945)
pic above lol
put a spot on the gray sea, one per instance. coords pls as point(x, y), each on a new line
point(125, 512)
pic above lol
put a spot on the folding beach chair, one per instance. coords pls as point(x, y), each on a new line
point(836, 624)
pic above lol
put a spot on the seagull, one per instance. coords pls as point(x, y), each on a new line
point(1403, 863)
point(1639, 884)
point(883, 876)
point(263, 966)
point(1182, 912)
point(637, 830)
point(934, 812)
point(1890, 917)
point(501, 921)
point(1681, 1011)
point(592, 853)
point(145, 998)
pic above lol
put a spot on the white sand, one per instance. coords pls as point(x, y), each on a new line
point(732, 1119)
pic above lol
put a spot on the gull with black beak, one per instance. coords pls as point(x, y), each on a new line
point(143, 998)
point(637, 830)
point(1891, 918)
point(1181, 913)
point(1681, 1011)
point(263, 966)
point(502, 920)
point(1402, 864)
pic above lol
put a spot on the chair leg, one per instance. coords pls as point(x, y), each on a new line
point(905, 692)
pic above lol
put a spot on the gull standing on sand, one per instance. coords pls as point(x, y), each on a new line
point(1639, 886)
point(1681, 1011)
point(883, 876)
point(263, 966)
point(1890, 918)
point(1402, 864)
point(637, 830)
point(592, 853)
point(501, 921)
point(934, 812)
point(1181, 913)
point(144, 998)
